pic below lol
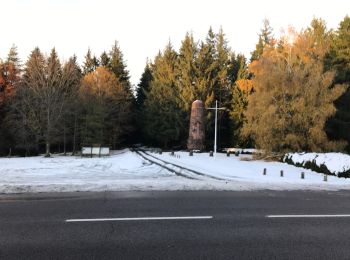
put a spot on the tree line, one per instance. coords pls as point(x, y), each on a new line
point(48, 106)
point(291, 95)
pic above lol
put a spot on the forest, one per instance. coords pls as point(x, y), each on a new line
point(292, 94)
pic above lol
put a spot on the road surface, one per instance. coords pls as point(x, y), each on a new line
point(176, 225)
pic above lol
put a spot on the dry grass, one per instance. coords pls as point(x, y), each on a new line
point(269, 157)
point(247, 159)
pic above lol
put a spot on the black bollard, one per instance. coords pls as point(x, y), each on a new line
point(191, 153)
point(211, 154)
point(264, 172)
point(228, 154)
point(325, 177)
point(281, 173)
point(237, 153)
point(303, 175)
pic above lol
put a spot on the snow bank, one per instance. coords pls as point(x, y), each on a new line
point(336, 163)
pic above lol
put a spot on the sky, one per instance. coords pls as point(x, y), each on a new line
point(143, 27)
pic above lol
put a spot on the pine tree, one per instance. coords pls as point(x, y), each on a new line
point(186, 80)
point(105, 60)
point(118, 67)
point(142, 92)
point(144, 86)
point(206, 81)
point(106, 109)
point(25, 110)
point(187, 73)
point(90, 64)
point(265, 39)
point(9, 74)
point(3, 142)
point(242, 87)
point(163, 122)
point(338, 127)
point(223, 90)
point(342, 49)
point(72, 110)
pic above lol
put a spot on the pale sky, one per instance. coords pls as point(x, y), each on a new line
point(143, 27)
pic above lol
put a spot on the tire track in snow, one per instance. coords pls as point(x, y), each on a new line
point(139, 151)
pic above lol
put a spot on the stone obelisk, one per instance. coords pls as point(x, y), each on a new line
point(196, 134)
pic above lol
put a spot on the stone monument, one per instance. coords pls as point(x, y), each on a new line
point(196, 134)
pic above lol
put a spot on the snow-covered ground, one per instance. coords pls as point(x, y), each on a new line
point(125, 170)
point(250, 172)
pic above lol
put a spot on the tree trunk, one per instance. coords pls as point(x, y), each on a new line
point(64, 140)
point(48, 126)
point(47, 149)
point(74, 134)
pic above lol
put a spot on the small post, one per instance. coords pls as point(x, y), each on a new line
point(160, 151)
point(281, 173)
point(211, 153)
point(191, 153)
point(264, 172)
point(237, 153)
point(325, 177)
point(302, 175)
point(228, 154)
point(172, 153)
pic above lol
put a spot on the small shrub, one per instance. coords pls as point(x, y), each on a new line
point(345, 174)
point(311, 165)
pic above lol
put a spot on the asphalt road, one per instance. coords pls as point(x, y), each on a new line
point(34, 226)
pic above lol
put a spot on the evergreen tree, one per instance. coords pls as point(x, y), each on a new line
point(206, 80)
point(26, 119)
point(13, 58)
point(239, 75)
point(163, 122)
point(338, 127)
point(186, 80)
point(70, 120)
point(142, 92)
point(90, 64)
point(118, 67)
point(223, 90)
point(9, 74)
point(342, 50)
point(144, 86)
point(265, 39)
point(105, 60)
point(187, 73)
point(106, 109)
